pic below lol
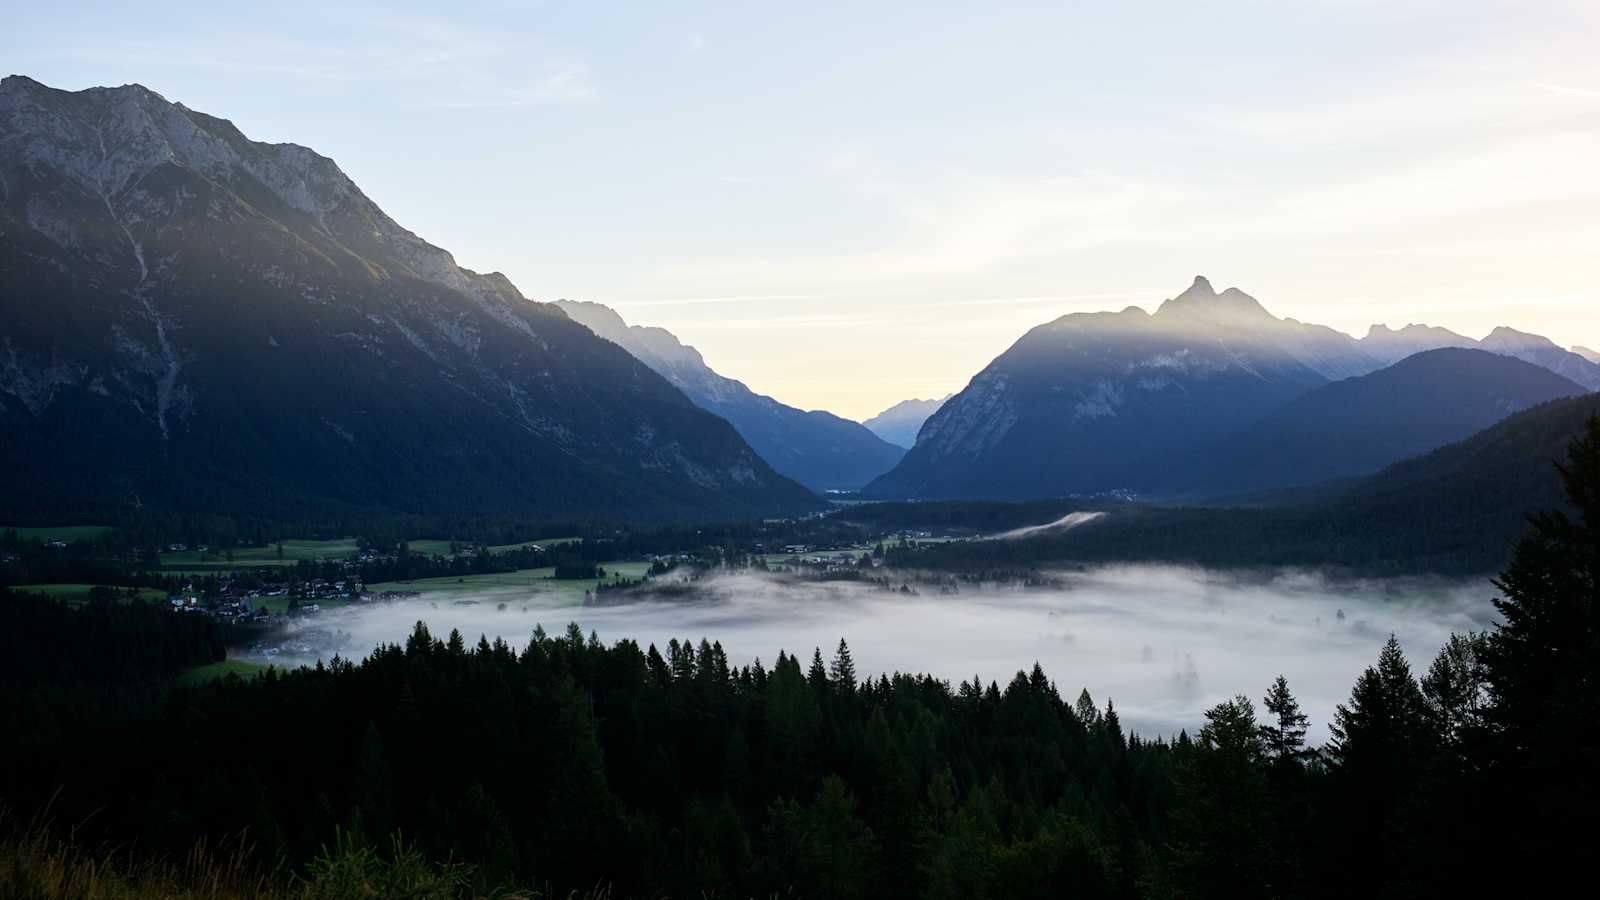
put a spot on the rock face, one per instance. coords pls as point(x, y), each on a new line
point(900, 423)
point(816, 448)
point(1136, 402)
point(193, 320)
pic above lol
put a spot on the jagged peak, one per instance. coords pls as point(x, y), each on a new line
point(1201, 301)
point(1412, 329)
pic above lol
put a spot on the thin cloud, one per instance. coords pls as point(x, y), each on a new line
point(1566, 89)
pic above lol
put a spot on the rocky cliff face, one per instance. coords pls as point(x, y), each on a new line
point(194, 319)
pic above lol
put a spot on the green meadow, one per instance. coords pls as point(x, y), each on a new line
point(510, 586)
point(79, 593)
point(215, 559)
point(217, 670)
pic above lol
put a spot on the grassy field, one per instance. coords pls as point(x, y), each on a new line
point(543, 542)
point(213, 671)
point(215, 559)
point(281, 604)
point(509, 586)
point(434, 547)
point(430, 547)
point(67, 533)
point(79, 593)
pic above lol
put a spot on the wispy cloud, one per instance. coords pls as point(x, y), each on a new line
point(1567, 89)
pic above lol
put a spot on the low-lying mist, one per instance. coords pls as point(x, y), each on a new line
point(1163, 643)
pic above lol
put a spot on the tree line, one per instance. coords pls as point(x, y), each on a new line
point(574, 763)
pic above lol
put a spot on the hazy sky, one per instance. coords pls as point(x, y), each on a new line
point(847, 205)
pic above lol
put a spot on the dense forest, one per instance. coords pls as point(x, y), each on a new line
point(573, 764)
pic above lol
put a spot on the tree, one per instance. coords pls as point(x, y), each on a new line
point(1542, 667)
point(1456, 689)
point(1284, 734)
point(843, 669)
point(822, 849)
point(1381, 747)
point(1381, 729)
point(1220, 821)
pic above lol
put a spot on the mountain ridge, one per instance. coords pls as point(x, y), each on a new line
point(1116, 402)
point(194, 320)
point(815, 447)
point(900, 423)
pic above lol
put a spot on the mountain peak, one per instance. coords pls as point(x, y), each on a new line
point(1506, 337)
point(1201, 301)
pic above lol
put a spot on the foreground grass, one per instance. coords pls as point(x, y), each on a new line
point(35, 864)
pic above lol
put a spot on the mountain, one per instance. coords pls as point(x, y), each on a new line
point(1100, 402)
point(1359, 425)
point(900, 423)
point(191, 320)
point(816, 448)
point(1455, 511)
point(1544, 352)
point(1591, 355)
point(1388, 346)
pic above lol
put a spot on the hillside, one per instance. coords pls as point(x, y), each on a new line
point(200, 322)
point(1357, 426)
point(1456, 510)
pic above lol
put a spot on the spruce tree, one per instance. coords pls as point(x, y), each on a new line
point(1542, 665)
point(1284, 732)
point(843, 669)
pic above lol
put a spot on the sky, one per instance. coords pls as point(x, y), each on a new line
point(847, 205)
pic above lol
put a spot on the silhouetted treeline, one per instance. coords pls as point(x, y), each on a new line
point(104, 641)
point(574, 763)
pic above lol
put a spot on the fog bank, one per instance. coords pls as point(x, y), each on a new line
point(1163, 642)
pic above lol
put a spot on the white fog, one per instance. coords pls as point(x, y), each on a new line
point(1163, 643)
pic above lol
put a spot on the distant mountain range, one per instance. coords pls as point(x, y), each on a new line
point(191, 320)
point(1359, 425)
point(1456, 510)
point(816, 448)
point(1138, 403)
point(900, 423)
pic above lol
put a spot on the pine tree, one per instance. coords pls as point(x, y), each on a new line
point(1542, 665)
point(842, 672)
point(818, 676)
point(1381, 747)
point(1284, 734)
point(1456, 690)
